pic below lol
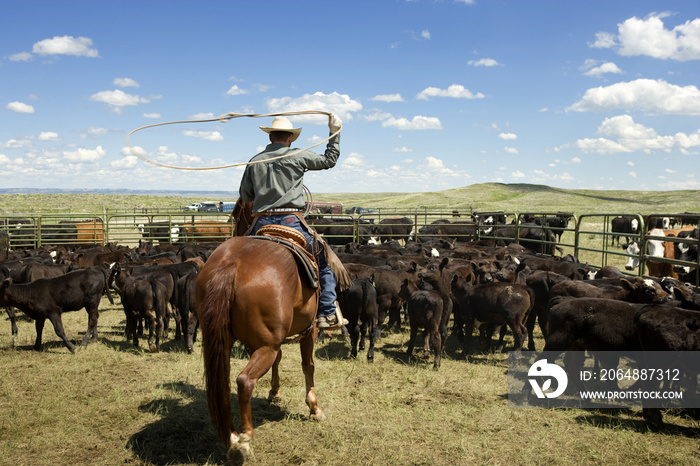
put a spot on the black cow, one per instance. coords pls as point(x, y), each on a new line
point(340, 231)
point(359, 306)
point(688, 252)
point(591, 324)
point(429, 310)
point(461, 230)
point(393, 229)
point(47, 298)
point(494, 303)
point(142, 297)
point(187, 307)
point(624, 225)
point(163, 232)
point(666, 328)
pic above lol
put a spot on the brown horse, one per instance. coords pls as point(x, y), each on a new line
point(249, 290)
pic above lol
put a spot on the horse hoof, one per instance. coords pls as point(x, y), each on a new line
point(318, 416)
point(238, 453)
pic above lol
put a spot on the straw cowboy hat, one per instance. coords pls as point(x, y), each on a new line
point(282, 124)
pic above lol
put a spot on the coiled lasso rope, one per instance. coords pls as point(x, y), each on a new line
point(224, 119)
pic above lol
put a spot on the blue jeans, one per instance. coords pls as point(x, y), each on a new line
point(326, 304)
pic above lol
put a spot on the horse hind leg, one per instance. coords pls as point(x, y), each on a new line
point(260, 362)
point(275, 395)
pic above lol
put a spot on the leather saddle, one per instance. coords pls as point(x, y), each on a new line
point(296, 243)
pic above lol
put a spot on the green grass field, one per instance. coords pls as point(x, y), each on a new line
point(110, 403)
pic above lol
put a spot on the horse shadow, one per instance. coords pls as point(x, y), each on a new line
point(184, 434)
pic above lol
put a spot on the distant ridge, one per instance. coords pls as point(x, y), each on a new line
point(127, 192)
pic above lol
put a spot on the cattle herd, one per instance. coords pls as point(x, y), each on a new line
point(447, 282)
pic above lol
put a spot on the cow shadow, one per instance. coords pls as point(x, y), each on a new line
point(184, 434)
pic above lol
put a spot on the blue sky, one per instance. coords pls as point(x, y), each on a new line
point(433, 94)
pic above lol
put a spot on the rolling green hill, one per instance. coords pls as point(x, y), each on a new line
point(482, 197)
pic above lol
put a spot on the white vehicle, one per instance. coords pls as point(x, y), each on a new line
point(195, 206)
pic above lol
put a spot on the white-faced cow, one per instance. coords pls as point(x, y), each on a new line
point(624, 226)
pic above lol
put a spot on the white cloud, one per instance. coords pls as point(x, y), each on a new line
point(66, 45)
point(598, 71)
point(600, 146)
point(125, 82)
point(508, 136)
point(456, 91)
point(623, 135)
point(576, 160)
point(650, 37)
point(488, 62)
point(656, 96)
point(402, 149)
point(204, 135)
point(510, 150)
point(418, 122)
point(133, 150)
point(151, 115)
point(466, 2)
point(340, 104)
point(20, 107)
point(118, 99)
point(425, 34)
point(85, 155)
point(127, 162)
point(435, 164)
point(21, 56)
point(388, 98)
point(235, 90)
point(517, 174)
point(633, 174)
point(48, 136)
point(353, 161)
point(603, 40)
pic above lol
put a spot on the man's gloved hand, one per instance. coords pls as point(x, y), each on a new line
point(334, 123)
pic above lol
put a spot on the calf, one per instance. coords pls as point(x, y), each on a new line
point(47, 298)
point(666, 328)
point(429, 310)
point(387, 283)
point(359, 306)
point(633, 290)
point(187, 307)
point(494, 303)
point(541, 283)
point(145, 298)
point(591, 324)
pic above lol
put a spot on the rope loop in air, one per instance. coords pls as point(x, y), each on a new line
point(226, 117)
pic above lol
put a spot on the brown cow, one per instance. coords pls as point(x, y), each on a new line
point(662, 249)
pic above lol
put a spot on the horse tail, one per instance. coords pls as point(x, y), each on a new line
point(217, 340)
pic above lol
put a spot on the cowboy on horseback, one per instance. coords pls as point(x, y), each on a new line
point(276, 191)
